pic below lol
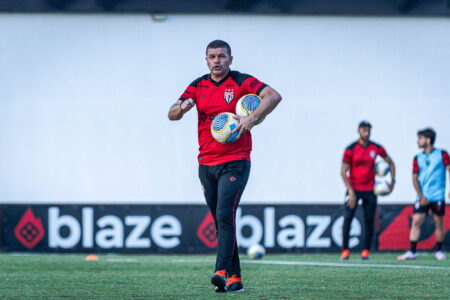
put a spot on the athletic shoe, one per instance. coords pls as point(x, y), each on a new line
point(407, 256)
point(345, 254)
point(234, 284)
point(440, 255)
point(219, 280)
point(365, 254)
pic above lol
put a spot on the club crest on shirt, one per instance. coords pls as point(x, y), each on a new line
point(228, 95)
point(373, 154)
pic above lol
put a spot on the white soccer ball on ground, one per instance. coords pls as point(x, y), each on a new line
point(247, 104)
point(381, 188)
point(382, 168)
point(256, 251)
point(222, 126)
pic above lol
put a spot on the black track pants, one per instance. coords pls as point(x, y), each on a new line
point(369, 205)
point(223, 187)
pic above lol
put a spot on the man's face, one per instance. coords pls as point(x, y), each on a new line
point(364, 133)
point(218, 61)
point(422, 141)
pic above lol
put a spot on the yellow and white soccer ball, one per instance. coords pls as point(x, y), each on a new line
point(256, 251)
point(381, 188)
point(222, 126)
point(382, 168)
point(247, 104)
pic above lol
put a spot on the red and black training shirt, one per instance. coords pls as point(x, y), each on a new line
point(213, 98)
point(362, 164)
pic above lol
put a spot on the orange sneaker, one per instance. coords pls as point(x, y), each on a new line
point(365, 254)
point(219, 280)
point(234, 284)
point(345, 254)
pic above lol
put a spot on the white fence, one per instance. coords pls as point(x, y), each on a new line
point(84, 101)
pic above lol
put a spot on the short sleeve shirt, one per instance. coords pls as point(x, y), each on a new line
point(213, 98)
point(431, 169)
point(362, 164)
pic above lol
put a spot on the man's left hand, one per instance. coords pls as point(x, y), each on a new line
point(246, 124)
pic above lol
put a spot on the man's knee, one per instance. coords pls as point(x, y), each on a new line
point(439, 221)
point(348, 216)
point(224, 219)
point(417, 221)
point(369, 220)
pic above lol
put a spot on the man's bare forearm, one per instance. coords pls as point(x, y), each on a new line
point(417, 185)
point(175, 112)
point(270, 99)
point(344, 171)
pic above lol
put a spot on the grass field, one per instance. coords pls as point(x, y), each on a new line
point(294, 276)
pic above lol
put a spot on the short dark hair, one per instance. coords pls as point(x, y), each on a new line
point(364, 124)
point(218, 44)
point(428, 133)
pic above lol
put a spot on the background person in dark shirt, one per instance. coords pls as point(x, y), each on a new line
point(359, 162)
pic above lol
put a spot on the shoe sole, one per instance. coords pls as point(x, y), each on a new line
point(342, 258)
point(238, 291)
point(405, 258)
point(219, 284)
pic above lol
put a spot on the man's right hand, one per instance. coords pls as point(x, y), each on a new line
point(186, 105)
point(423, 200)
point(351, 203)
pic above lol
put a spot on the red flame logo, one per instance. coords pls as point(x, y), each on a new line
point(29, 231)
point(206, 232)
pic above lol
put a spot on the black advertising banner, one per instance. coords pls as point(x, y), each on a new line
point(316, 7)
point(190, 228)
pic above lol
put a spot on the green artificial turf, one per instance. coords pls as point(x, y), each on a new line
point(188, 277)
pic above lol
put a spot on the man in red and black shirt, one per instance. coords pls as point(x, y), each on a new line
point(359, 161)
point(224, 168)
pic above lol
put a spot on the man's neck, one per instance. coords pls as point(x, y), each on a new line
point(363, 143)
point(428, 149)
point(218, 78)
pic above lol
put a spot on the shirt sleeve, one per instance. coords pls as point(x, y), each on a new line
point(190, 91)
point(415, 166)
point(347, 156)
point(445, 158)
point(253, 86)
point(382, 152)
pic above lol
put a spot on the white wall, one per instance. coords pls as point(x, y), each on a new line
point(84, 101)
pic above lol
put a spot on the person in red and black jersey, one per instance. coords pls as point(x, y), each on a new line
point(224, 168)
point(359, 162)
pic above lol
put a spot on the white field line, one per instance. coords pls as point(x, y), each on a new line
point(322, 264)
point(122, 260)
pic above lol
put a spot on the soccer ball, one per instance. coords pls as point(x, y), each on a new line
point(247, 104)
point(381, 168)
point(222, 126)
point(381, 188)
point(256, 251)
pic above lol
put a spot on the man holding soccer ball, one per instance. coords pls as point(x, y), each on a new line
point(359, 162)
point(224, 168)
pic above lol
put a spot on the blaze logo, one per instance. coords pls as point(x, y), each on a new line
point(29, 231)
point(232, 178)
point(206, 232)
